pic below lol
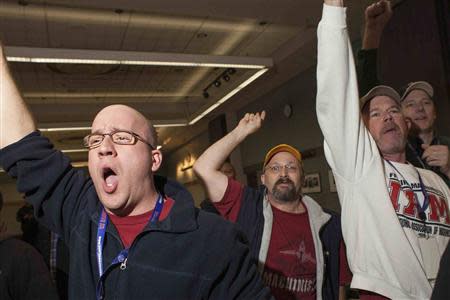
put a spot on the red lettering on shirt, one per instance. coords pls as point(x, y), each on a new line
point(410, 209)
point(395, 193)
point(438, 209)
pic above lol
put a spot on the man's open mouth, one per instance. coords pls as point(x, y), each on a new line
point(110, 180)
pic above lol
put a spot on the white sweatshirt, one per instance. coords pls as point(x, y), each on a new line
point(386, 248)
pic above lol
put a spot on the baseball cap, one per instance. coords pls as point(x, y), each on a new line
point(417, 85)
point(379, 90)
point(282, 148)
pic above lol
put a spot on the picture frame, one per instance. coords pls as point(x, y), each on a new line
point(311, 184)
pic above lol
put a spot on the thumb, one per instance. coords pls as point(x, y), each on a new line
point(425, 146)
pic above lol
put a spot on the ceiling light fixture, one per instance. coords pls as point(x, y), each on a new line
point(80, 164)
point(74, 150)
point(228, 96)
point(83, 56)
point(52, 129)
point(127, 62)
point(61, 129)
point(225, 75)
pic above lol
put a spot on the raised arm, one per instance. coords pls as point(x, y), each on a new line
point(16, 120)
point(207, 166)
point(348, 146)
point(376, 16)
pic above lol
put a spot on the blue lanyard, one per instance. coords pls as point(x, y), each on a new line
point(123, 255)
point(426, 198)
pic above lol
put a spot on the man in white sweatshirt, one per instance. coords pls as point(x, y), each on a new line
point(395, 217)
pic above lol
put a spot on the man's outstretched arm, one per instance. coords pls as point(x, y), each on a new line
point(377, 16)
point(207, 166)
point(16, 120)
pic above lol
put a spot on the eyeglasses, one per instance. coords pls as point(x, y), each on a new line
point(276, 169)
point(121, 137)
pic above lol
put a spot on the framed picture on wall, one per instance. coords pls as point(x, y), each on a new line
point(311, 183)
point(332, 182)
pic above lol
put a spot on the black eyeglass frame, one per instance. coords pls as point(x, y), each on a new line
point(136, 137)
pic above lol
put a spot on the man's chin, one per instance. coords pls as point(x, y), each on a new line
point(111, 203)
point(284, 196)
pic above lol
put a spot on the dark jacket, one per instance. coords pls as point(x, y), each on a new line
point(23, 273)
point(414, 154)
point(367, 70)
point(441, 289)
point(189, 255)
point(251, 221)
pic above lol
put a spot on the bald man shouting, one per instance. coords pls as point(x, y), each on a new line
point(131, 234)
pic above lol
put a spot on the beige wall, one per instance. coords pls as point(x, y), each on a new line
point(185, 156)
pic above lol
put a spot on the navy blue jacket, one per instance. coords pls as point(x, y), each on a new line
point(189, 255)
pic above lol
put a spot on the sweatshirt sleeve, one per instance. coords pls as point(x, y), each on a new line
point(48, 181)
point(348, 146)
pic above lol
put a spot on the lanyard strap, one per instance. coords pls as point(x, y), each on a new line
point(426, 198)
point(123, 255)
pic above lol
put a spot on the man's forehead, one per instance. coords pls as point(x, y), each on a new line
point(109, 129)
point(118, 117)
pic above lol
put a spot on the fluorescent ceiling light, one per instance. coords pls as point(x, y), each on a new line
point(90, 95)
point(228, 96)
point(61, 129)
point(64, 129)
point(193, 121)
point(74, 150)
point(82, 56)
point(170, 125)
point(80, 164)
point(128, 62)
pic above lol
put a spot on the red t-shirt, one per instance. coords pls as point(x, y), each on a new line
point(130, 226)
point(280, 261)
point(290, 269)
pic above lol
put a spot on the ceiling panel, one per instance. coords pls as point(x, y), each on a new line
point(71, 94)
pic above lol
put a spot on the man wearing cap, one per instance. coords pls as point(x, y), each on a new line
point(295, 243)
point(425, 149)
point(395, 217)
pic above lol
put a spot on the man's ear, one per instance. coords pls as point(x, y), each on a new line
point(263, 179)
point(302, 174)
point(156, 160)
